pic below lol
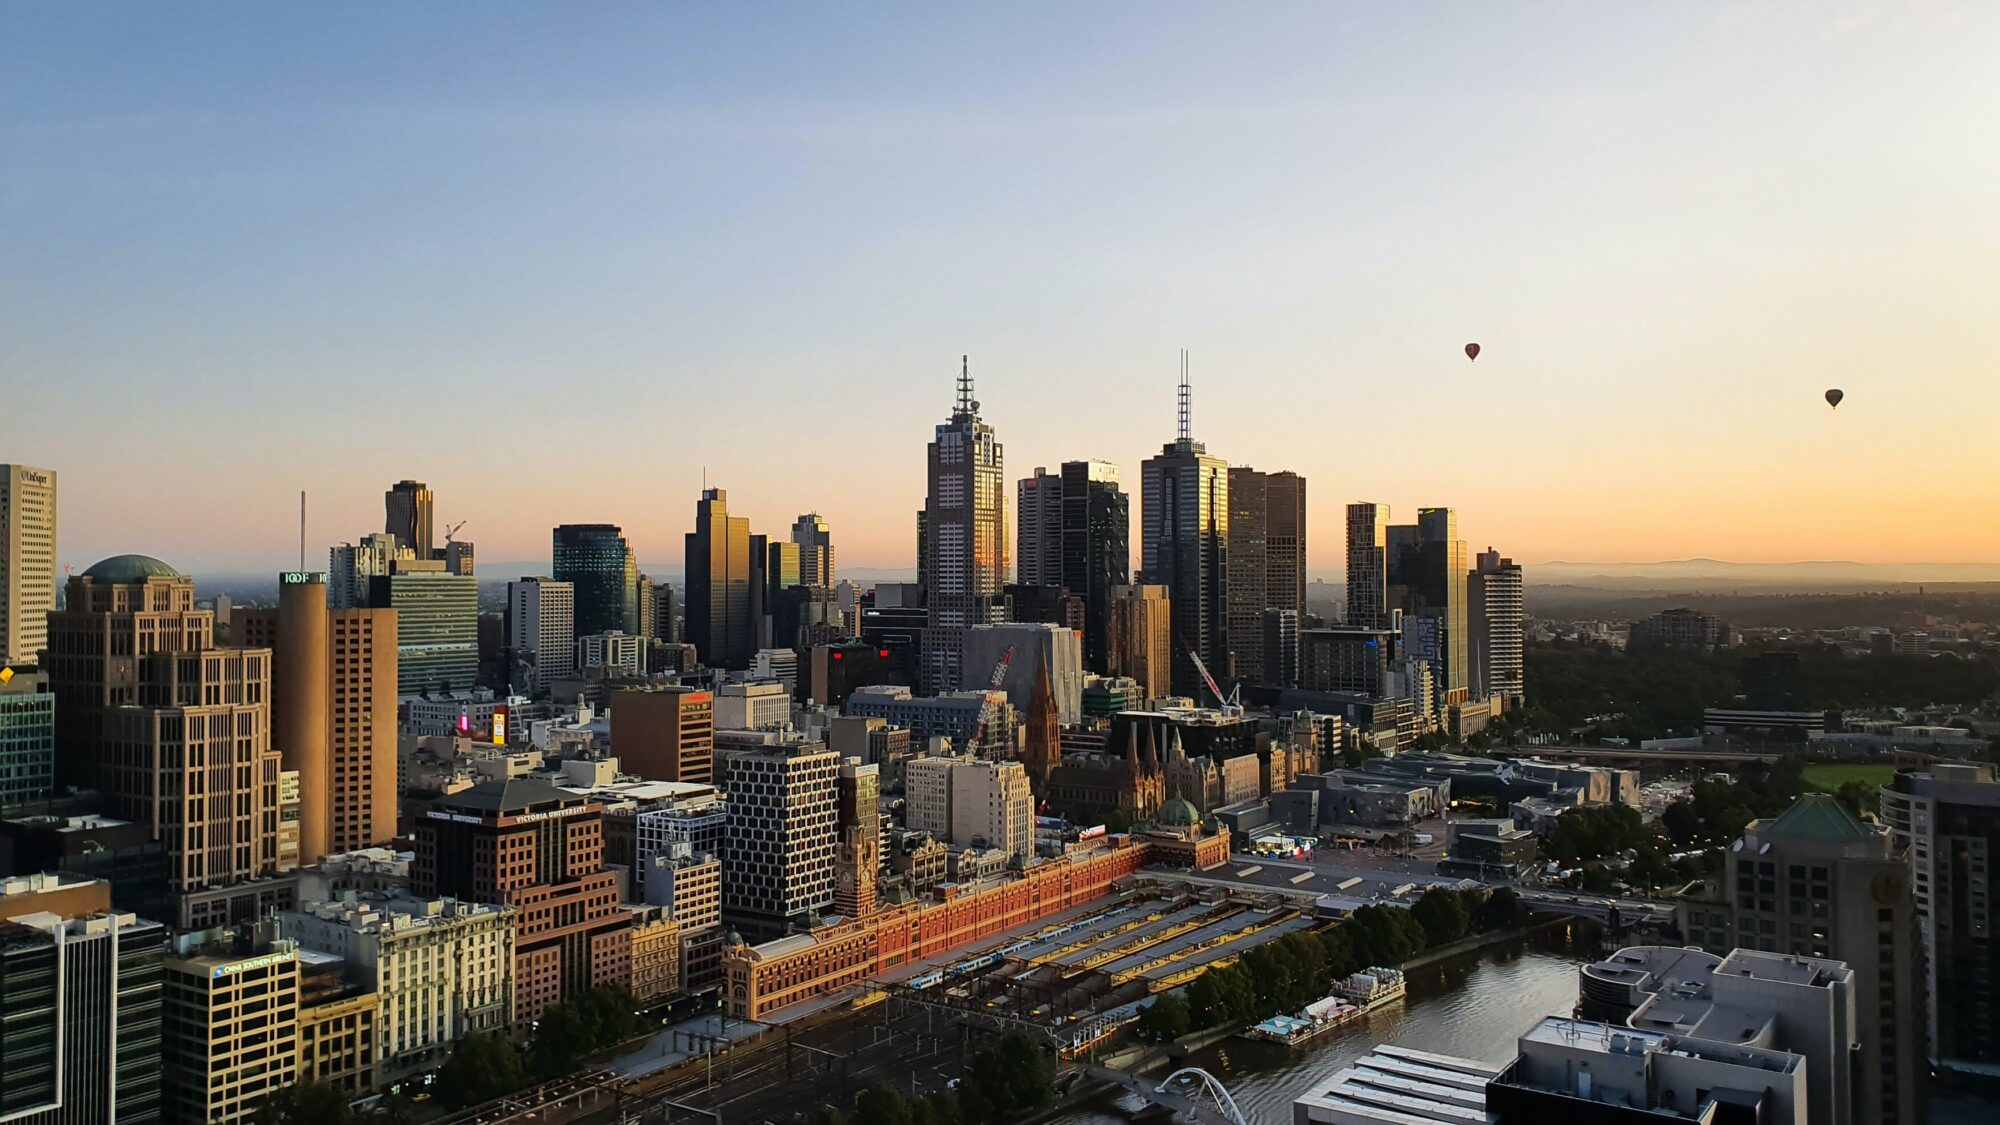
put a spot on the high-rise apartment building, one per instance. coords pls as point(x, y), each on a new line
point(27, 561)
point(27, 738)
point(1817, 881)
point(1368, 566)
point(541, 622)
point(597, 562)
point(408, 505)
point(962, 544)
point(1428, 579)
point(1947, 818)
point(333, 712)
point(1496, 606)
point(80, 984)
point(1267, 571)
point(175, 732)
point(778, 854)
point(816, 563)
point(1096, 549)
point(1184, 546)
point(1140, 639)
point(665, 733)
point(539, 849)
point(720, 622)
point(1038, 525)
point(971, 802)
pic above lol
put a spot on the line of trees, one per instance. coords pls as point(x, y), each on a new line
point(488, 1064)
point(1287, 974)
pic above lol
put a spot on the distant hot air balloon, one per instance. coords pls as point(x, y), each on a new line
point(1834, 396)
point(1472, 351)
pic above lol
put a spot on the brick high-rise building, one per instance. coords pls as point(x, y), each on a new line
point(539, 849)
point(333, 712)
point(1141, 638)
point(175, 732)
point(665, 733)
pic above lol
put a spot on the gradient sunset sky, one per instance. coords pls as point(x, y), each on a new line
point(555, 260)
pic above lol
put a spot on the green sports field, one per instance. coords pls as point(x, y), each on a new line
point(1829, 777)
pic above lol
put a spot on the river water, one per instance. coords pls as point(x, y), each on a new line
point(1472, 1006)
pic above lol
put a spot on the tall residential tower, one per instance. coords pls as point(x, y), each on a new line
point(962, 547)
point(1184, 546)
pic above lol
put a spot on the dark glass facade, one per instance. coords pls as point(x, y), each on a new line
point(595, 559)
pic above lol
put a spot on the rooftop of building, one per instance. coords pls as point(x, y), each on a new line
point(1818, 816)
point(1394, 1084)
point(389, 911)
point(514, 796)
point(127, 570)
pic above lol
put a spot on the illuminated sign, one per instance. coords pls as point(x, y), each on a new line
point(499, 726)
point(302, 578)
point(29, 476)
point(1091, 833)
point(264, 962)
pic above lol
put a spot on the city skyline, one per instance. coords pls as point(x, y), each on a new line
point(432, 247)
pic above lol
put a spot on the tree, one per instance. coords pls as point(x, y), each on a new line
point(481, 1067)
point(879, 1105)
point(1503, 910)
point(561, 1037)
point(306, 1103)
point(611, 1015)
point(1442, 914)
point(1165, 1019)
point(1859, 797)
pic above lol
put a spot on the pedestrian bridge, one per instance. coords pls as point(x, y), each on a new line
point(1195, 1094)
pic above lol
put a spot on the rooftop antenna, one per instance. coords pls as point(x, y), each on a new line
point(1186, 401)
point(302, 529)
point(966, 405)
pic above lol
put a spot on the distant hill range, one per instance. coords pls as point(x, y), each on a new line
point(1717, 574)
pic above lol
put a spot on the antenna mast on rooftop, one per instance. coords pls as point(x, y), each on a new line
point(1186, 401)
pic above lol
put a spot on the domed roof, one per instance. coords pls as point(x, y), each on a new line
point(125, 570)
point(1177, 812)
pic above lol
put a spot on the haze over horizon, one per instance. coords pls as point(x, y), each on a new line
point(558, 264)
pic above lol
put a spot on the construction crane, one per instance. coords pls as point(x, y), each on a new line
point(1231, 704)
point(451, 531)
point(986, 709)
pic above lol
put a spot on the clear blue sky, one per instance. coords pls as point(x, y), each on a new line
point(556, 260)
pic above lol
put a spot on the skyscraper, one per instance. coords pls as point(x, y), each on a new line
point(1184, 546)
point(437, 625)
point(27, 561)
point(603, 575)
point(408, 504)
point(27, 738)
point(719, 595)
point(541, 623)
point(962, 541)
point(1368, 566)
point(1096, 548)
point(1266, 562)
point(1038, 524)
point(815, 542)
point(333, 712)
point(1495, 606)
point(351, 567)
point(1428, 579)
point(1947, 819)
point(665, 733)
point(174, 731)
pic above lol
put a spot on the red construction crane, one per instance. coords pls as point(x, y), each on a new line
point(986, 709)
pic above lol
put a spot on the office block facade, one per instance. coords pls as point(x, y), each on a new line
point(1367, 566)
point(541, 629)
point(721, 624)
point(28, 565)
point(778, 852)
point(665, 733)
point(962, 557)
point(1267, 519)
point(1184, 546)
point(1140, 639)
point(596, 561)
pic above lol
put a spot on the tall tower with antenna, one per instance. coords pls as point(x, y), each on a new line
point(1184, 544)
point(963, 558)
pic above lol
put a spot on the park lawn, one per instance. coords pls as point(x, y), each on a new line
point(1831, 776)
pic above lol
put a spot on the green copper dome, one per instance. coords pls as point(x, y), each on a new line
point(127, 570)
point(1177, 812)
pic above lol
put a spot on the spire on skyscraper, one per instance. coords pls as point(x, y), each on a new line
point(1186, 431)
point(968, 407)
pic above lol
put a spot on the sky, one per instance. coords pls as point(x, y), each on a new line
point(559, 261)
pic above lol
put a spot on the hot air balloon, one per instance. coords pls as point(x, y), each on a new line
point(1834, 396)
point(1472, 351)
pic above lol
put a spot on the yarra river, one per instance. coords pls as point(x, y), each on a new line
point(1473, 1006)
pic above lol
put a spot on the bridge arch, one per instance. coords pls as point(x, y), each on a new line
point(1208, 1084)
